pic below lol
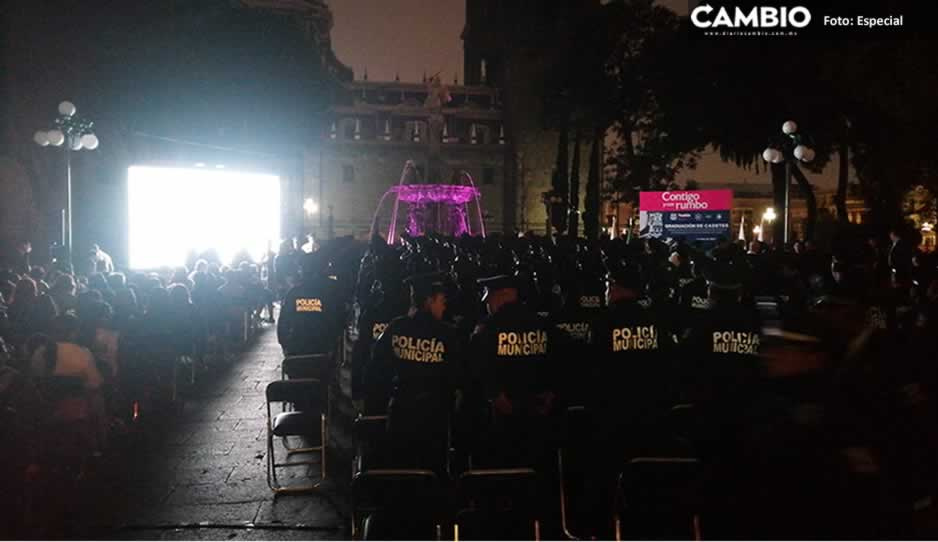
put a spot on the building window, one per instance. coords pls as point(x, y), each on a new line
point(348, 173)
point(349, 128)
point(488, 175)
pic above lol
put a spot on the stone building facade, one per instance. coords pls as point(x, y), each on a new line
point(375, 127)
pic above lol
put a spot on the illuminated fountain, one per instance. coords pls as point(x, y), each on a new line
point(443, 209)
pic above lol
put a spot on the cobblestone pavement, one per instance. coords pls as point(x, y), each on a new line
point(201, 475)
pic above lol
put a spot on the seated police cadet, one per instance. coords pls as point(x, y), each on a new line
point(383, 305)
point(630, 393)
point(311, 317)
point(721, 351)
point(419, 355)
point(583, 304)
point(514, 368)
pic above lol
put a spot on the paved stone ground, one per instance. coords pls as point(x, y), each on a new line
point(201, 473)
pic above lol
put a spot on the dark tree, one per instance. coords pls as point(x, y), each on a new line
point(574, 222)
point(591, 205)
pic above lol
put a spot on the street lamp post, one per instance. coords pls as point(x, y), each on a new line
point(788, 150)
point(75, 133)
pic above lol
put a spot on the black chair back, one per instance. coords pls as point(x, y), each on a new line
point(658, 498)
point(294, 391)
point(318, 366)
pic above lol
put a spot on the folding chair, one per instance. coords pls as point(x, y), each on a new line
point(318, 366)
point(506, 499)
point(370, 440)
point(577, 429)
point(298, 423)
point(310, 366)
point(397, 504)
point(656, 498)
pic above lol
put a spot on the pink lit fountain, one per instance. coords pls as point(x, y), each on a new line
point(431, 208)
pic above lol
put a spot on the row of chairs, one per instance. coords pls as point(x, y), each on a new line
point(303, 393)
point(656, 497)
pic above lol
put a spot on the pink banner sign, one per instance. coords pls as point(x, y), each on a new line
point(686, 200)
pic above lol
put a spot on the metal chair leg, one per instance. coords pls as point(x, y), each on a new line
point(563, 497)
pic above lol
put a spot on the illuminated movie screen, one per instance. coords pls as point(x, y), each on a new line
point(174, 212)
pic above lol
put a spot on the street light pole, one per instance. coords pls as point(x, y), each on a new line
point(788, 150)
point(68, 198)
point(787, 218)
point(75, 133)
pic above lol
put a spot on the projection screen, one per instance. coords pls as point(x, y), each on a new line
point(173, 211)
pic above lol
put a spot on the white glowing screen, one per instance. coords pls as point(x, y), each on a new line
point(173, 211)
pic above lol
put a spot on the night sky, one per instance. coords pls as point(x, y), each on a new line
point(410, 36)
point(413, 36)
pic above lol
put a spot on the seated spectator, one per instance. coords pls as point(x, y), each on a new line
point(126, 311)
point(68, 357)
point(181, 276)
point(63, 292)
point(30, 312)
point(200, 266)
point(183, 321)
point(20, 453)
point(98, 281)
point(99, 336)
point(117, 281)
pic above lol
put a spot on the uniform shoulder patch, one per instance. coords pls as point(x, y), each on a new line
point(308, 304)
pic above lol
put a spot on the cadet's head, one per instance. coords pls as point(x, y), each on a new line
point(428, 293)
point(500, 290)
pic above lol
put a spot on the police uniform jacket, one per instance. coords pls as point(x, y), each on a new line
point(511, 353)
point(721, 352)
point(576, 321)
point(692, 304)
point(311, 318)
point(630, 351)
point(371, 324)
point(419, 357)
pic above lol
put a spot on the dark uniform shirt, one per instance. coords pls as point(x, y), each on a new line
point(722, 350)
point(577, 321)
point(692, 304)
point(511, 353)
point(310, 318)
point(372, 323)
point(627, 366)
point(420, 357)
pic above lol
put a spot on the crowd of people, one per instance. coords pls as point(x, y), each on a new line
point(803, 371)
point(84, 356)
point(782, 367)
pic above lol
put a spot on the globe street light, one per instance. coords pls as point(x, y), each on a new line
point(788, 151)
point(310, 206)
point(73, 133)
